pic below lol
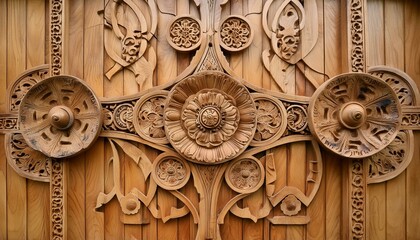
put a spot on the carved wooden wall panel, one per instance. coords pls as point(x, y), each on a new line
point(209, 119)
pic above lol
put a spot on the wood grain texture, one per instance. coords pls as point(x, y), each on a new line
point(16, 63)
point(412, 68)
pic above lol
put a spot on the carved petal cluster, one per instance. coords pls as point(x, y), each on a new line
point(235, 33)
point(184, 33)
point(210, 117)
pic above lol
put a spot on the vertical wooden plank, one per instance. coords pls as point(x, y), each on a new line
point(332, 165)
point(76, 166)
point(412, 68)
point(3, 100)
point(394, 57)
point(16, 63)
point(38, 192)
point(93, 74)
point(375, 197)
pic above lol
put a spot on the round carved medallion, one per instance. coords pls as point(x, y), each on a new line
point(170, 172)
point(355, 115)
point(210, 117)
point(60, 116)
point(184, 33)
point(235, 33)
point(245, 175)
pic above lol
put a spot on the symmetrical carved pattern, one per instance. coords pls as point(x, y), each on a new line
point(133, 40)
point(185, 33)
point(245, 175)
point(25, 82)
point(26, 161)
point(60, 116)
point(56, 18)
point(119, 116)
point(355, 115)
point(290, 205)
point(210, 118)
point(270, 119)
point(8, 123)
point(171, 172)
point(235, 33)
point(148, 117)
point(356, 32)
point(57, 200)
point(357, 199)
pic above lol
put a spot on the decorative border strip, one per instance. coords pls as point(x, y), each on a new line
point(357, 52)
point(8, 123)
point(57, 189)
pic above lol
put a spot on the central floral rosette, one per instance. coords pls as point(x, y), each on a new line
point(210, 117)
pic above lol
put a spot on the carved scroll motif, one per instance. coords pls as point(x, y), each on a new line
point(118, 116)
point(357, 50)
point(357, 199)
point(8, 123)
point(56, 36)
point(25, 161)
point(127, 34)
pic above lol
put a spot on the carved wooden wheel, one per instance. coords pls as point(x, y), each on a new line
point(210, 117)
point(60, 116)
point(355, 115)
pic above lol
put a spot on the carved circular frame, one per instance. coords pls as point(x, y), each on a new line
point(248, 172)
point(194, 45)
point(354, 115)
point(244, 45)
point(169, 179)
point(283, 116)
point(139, 124)
point(60, 116)
point(191, 99)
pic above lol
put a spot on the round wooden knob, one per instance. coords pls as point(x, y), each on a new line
point(354, 115)
point(60, 116)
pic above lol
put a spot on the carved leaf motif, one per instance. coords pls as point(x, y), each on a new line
point(270, 174)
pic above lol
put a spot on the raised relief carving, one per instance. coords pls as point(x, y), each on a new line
point(235, 33)
point(57, 200)
point(210, 117)
point(355, 115)
point(245, 175)
point(357, 195)
point(171, 172)
point(356, 36)
point(297, 119)
point(25, 161)
point(60, 116)
point(126, 36)
point(270, 119)
point(56, 36)
point(148, 117)
point(185, 33)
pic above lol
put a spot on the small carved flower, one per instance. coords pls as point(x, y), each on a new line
point(245, 175)
point(171, 172)
point(235, 33)
point(130, 204)
point(185, 32)
point(210, 118)
point(290, 205)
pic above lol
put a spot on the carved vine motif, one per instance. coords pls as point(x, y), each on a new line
point(356, 31)
point(288, 32)
point(126, 23)
point(22, 85)
point(206, 125)
point(56, 36)
point(60, 116)
point(235, 33)
point(26, 161)
point(357, 199)
point(355, 115)
point(185, 33)
point(57, 204)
